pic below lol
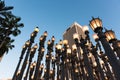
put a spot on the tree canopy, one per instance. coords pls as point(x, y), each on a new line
point(9, 25)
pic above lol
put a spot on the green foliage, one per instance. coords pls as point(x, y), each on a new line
point(9, 25)
point(6, 46)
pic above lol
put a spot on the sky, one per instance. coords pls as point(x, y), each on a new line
point(55, 16)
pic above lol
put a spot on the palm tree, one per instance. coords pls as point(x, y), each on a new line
point(6, 46)
point(9, 25)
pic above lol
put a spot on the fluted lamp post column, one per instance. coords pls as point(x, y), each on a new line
point(48, 56)
point(94, 52)
point(40, 71)
point(96, 25)
point(32, 68)
point(63, 57)
point(66, 52)
point(80, 69)
point(72, 60)
point(33, 35)
point(32, 52)
point(79, 56)
point(41, 65)
point(67, 63)
point(21, 57)
point(58, 53)
point(40, 53)
point(102, 56)
point(111, 38)
point(53, 66)
point(83, 44)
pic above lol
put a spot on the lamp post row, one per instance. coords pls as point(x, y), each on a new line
point(72, 64)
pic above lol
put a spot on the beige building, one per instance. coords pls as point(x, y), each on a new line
point(68, 34)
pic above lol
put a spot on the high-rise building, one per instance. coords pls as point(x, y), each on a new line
point(68, 34)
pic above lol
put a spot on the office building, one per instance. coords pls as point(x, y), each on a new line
point(68, 34)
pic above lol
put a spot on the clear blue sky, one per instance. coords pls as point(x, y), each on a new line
point(55, 16)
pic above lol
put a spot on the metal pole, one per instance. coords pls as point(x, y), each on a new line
point(33, 35)
point(116, 48)
point(21, 57)
point(32, 52)
point(99, 66)
point(25, 62)
point(40, 55)
point(32, 68)
point(109, 73)
point(110, 54)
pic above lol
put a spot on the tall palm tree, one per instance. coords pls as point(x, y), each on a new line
point(9, 25)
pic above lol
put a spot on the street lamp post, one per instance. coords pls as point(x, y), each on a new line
point(79, 58)
point(21, 57)
point(40, 53)
point(48, 57)
point(63, 58)
point(102, 57)
point(84, 47)
point(109, 71)
point(40, 71)
point(96, 25)
point(53, 66)
point(72, 61)
point(32, 52)
point(79, 55)
point(111, 38)
point(94, 52)
point(32, 68)
point(33, 35)
point(58, 53)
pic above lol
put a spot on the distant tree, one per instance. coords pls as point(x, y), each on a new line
point(9, 25)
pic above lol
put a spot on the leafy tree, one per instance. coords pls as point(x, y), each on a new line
point(9, 25)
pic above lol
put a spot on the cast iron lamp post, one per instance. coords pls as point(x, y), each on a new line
point(79, 71)
point(40, 71)
point(32, 68)
point(94, 52)
point(63, 58)
point(83, 44)
point(40, 54)
point(32, 52)
point(33, 35)
point(79, 55)
point(111, 38)
point(58, 53)
point(102, 58)
point(48, 56)
point(53, 66)
point(72, 61)
point(96, 25)
point(21, 57)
